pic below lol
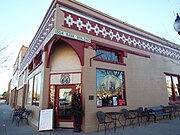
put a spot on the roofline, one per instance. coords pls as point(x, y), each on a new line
point(139, 30)
point(52, 5)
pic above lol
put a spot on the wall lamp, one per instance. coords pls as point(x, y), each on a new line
point(177, 24)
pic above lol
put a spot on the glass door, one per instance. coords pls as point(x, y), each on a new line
point(63, 106)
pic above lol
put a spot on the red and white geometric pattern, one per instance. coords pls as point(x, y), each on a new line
point(36, 43)
point(93, 26)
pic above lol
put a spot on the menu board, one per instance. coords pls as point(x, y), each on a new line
point(46, 119)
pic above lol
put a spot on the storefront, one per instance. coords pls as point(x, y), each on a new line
point(111, 64)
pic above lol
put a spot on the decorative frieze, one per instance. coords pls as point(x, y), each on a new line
point(90, 25)
point(41, 35)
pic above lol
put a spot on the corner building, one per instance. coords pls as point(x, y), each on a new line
point(112, 64)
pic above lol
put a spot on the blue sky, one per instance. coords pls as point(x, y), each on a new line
point(20, 19)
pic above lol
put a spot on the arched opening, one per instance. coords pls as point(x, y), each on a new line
point(65, 79)
point(64, 59)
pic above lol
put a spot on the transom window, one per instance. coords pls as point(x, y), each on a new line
point(109, 55)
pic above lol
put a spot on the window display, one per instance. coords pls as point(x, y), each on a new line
point(173, 89)
point(110, 88)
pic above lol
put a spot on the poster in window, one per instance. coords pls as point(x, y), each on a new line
point(99, 101)
point(115, 101)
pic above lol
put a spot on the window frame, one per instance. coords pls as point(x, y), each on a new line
point(172, 88)
point(34, 87)
point(123, 93)
point(119, 53)
point(30, 91)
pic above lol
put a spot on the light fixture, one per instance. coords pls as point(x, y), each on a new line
point(177, 24)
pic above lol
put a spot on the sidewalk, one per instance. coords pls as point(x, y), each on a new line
point(162, 127)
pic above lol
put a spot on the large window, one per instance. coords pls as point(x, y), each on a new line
point(34, 89)
point(109, 55)
point(37, 89)
point(30, 91)
point(110, 88)
point(173, 87)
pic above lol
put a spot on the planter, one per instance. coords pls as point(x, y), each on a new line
point(77, 111)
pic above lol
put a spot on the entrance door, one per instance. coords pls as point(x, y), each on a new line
point(63, 106)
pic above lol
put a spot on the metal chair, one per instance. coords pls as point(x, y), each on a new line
point(101, 116)
point(128, 116)
point(15, 112)
point(23, 115)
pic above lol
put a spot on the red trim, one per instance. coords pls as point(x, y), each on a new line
point(66, 73)
point(35, 43)
point(174, 102)
point(123, 89)
point(107, 61)
point(172, 85)
point(48, 12)
point(78, 46)
point(48, 48)
point(170, 74)
point(86, 45)
point(141, 44)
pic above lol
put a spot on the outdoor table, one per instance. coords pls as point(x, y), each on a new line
point(135, 113)
point(114, 116)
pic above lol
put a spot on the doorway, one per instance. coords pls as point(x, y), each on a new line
point(63, 116)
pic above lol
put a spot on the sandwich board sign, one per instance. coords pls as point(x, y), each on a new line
point(46, 120)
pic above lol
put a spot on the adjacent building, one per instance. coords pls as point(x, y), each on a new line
point(112, 65)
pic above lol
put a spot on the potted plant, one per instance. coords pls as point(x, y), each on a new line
point(77, 111)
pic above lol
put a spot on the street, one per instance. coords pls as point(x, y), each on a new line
point(162, 127)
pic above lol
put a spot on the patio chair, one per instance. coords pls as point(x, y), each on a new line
point(15, 112)
point(101, 116)
point(131, 116)
point(23, 115)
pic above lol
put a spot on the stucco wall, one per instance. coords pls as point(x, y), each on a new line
point(64, 59)
point(144, 80)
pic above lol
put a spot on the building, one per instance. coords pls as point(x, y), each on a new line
point(14, 86)
point(112, 64)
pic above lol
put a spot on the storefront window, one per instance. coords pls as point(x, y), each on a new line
point(176, 87)
point(37, 89)
point(29, 92)
point(110, 88)
point(173, 89)
point(169, 87)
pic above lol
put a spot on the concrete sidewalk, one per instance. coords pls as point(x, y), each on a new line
point(162, 127)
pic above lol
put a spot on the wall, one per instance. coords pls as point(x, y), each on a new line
point(144, 80)
point(64, 59)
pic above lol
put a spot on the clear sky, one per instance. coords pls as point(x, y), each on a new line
point(20, 19)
